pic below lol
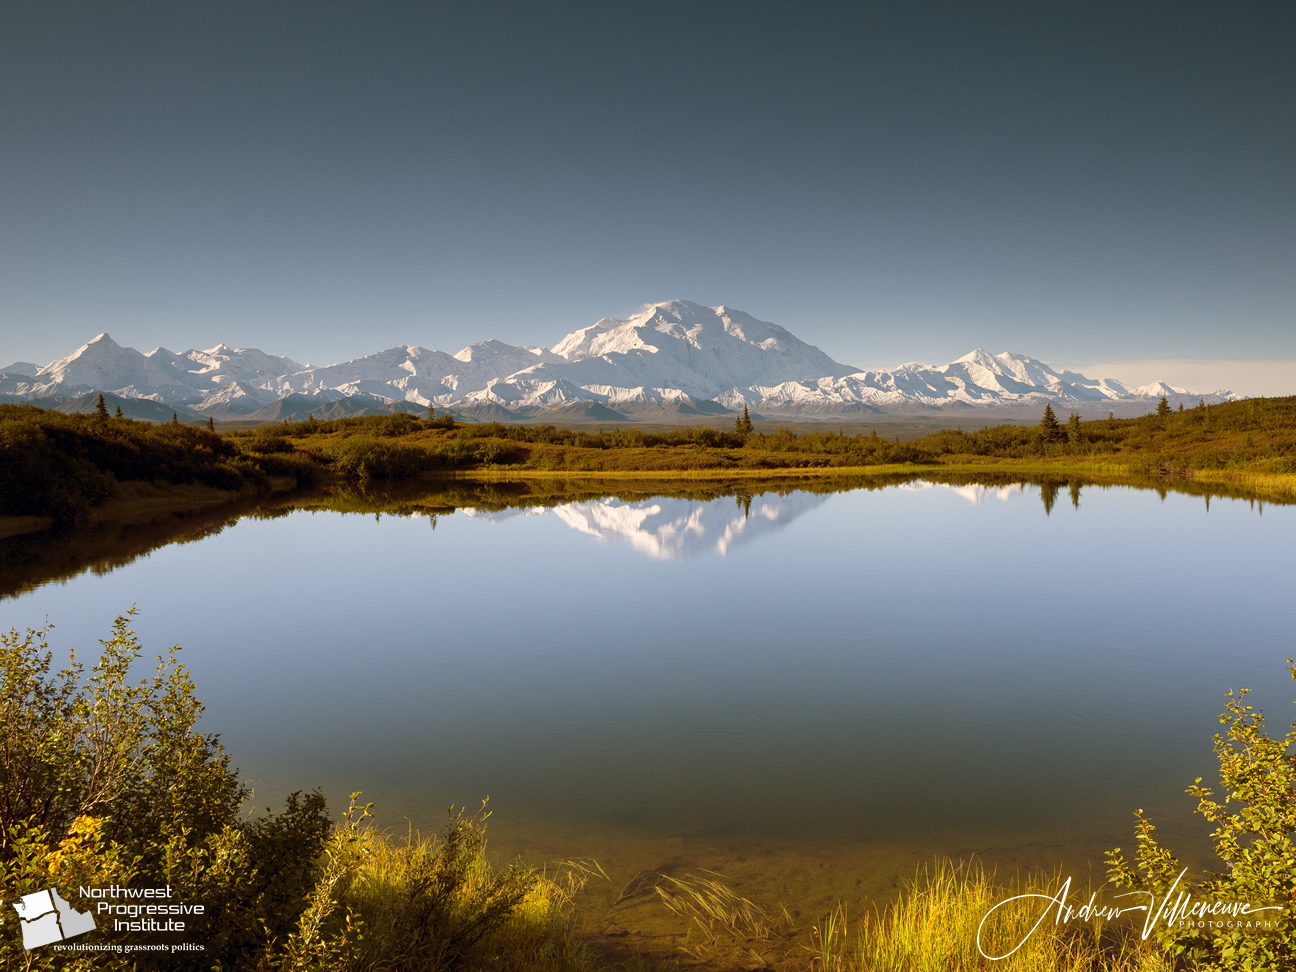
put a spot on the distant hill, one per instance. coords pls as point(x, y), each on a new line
point(584, 412)
point(144, 409)
point(296, 408)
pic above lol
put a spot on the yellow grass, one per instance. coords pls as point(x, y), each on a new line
point(934, 928)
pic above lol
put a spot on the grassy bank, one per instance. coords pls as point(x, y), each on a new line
point(65, 470)
point(1236, 446)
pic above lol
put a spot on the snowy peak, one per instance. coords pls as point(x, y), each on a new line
point(104, 365)
point(672, 355)
point(700, 350)
point(238, 364)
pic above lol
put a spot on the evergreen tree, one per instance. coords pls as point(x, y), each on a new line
point(175, 419)
point(1049, 427)
point(119, 412)
point(743, 424)
point(101, 409)
point(211, 424)
point(1163, 406)
point(1073, 429)
point(431, 413)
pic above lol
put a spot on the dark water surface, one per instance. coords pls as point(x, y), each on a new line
point(815, 691)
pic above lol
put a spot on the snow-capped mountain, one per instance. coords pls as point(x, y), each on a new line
point(674, 359)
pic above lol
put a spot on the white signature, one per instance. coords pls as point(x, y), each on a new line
point(1184, 909)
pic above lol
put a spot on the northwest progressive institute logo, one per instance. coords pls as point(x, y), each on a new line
point(46, 918)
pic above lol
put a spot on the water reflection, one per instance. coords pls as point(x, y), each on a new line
point(668, 528)
point(664, 520)
point(975, 493)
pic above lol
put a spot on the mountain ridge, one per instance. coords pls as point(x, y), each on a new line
point(673, 360)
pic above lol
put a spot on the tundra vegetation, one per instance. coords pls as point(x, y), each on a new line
point(65, 467)
point(105, 780)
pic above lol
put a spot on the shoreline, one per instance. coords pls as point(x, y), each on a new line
point(140, 502)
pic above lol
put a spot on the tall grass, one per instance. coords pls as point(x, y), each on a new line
point(933, 927)
point(433, 904)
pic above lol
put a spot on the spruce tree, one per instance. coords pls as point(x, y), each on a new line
point(101, 409)
point(743, 424)
point(1049, 424)
point(211, 424)
point(1163, 407)
point(1073, 429)
point(119, 412)
point(175, 419)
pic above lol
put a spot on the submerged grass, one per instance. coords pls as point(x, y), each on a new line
point(718, 918)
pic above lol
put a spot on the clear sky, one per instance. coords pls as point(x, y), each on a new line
point(1091, 184)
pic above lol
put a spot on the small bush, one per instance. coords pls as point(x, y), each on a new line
point(1255, 836)
point(365, 457)
point(104, 780)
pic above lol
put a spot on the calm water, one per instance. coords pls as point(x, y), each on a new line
point(845, 683)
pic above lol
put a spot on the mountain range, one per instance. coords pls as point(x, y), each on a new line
point(675, 361)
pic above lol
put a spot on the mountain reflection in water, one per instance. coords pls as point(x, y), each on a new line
point(668, 528)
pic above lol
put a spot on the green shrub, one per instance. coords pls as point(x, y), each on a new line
point(265, 441)
point(1254, 836)
point(296, 464)
point(104, 780)
point(58, 465)
point(366, 457)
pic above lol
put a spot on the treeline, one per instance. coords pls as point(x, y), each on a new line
point(1258, 434)
point(58, 465)
point(53, 464)
point(400, 445)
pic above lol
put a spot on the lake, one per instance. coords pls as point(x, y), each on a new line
point(811, 692)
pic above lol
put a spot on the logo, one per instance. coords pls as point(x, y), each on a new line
point(46, 918)
point(1181, 913)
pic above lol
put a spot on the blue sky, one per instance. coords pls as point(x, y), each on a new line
point(1107, 185)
